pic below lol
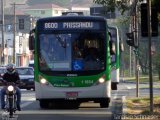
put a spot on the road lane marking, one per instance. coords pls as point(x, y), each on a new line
point(28, 99)
point(130, 87)
point(124, 106)
point(115, 96)
point(60, 112)
point(25, 104)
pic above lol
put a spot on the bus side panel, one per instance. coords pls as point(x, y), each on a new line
point(115, 75)
point(108, 58)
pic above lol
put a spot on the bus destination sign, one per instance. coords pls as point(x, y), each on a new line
point(72, 25)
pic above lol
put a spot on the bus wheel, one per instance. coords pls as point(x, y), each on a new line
point(114, 86)
point(43, 104)
point(104, 103)
point(75, 105)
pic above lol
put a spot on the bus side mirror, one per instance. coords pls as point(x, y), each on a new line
point(31, 39)
point(112, 48)
point(121, 47)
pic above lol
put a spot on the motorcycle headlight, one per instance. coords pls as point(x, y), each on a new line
point(10, 88)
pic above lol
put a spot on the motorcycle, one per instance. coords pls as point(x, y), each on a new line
point(10, 98)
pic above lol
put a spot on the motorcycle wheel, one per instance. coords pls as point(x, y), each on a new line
point(11, 107)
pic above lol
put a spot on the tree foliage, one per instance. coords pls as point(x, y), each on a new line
point(157, 3)
point(110, 5)
point(156, 58)
point(122, 5)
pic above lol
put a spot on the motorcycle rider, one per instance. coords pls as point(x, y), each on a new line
point(11, 76)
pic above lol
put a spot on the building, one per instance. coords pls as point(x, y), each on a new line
point(77, 8)
point(45, 10)
point(23, 26)
point(25, 21)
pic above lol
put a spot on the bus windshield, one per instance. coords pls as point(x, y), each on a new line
point(76, 51)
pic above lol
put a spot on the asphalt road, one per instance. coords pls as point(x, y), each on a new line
point(87, 111)
point(32, 111)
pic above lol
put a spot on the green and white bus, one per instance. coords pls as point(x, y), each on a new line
point(115, 59)
point(75, 66)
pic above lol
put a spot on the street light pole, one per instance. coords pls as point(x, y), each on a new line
point(136, 50)
point(14, 32)
point(2, 50)
point(150, 54)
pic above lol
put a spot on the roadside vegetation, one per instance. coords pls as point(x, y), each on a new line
point(142, 106)
point(144, 78)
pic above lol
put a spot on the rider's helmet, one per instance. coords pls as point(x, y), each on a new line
point(10, 68)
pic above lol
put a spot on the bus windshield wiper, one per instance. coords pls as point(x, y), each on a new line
point(62, 42)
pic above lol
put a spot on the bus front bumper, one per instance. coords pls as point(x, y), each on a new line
point(101, 91)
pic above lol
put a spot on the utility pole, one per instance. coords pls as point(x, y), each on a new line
point(71, 3)
point(135, 19)
point(130, 54)
point(137, 67)
point(150, 54)
point(2, 46)
point(14, 31)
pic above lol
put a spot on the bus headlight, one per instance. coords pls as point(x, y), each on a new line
point(10, 88)
point(101, 80)
point(43, 81)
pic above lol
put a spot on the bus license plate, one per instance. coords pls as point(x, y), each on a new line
point(71, 95)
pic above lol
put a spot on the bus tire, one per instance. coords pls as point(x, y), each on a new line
point(43, 104)
point(104, 103)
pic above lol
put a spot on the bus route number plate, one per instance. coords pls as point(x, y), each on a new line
point(71, 95)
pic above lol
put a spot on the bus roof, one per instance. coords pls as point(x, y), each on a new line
point(73, 18)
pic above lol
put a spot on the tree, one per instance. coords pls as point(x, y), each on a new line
point(156, 63)
point(122, 5)
point(110, 5)
point(157, 3)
